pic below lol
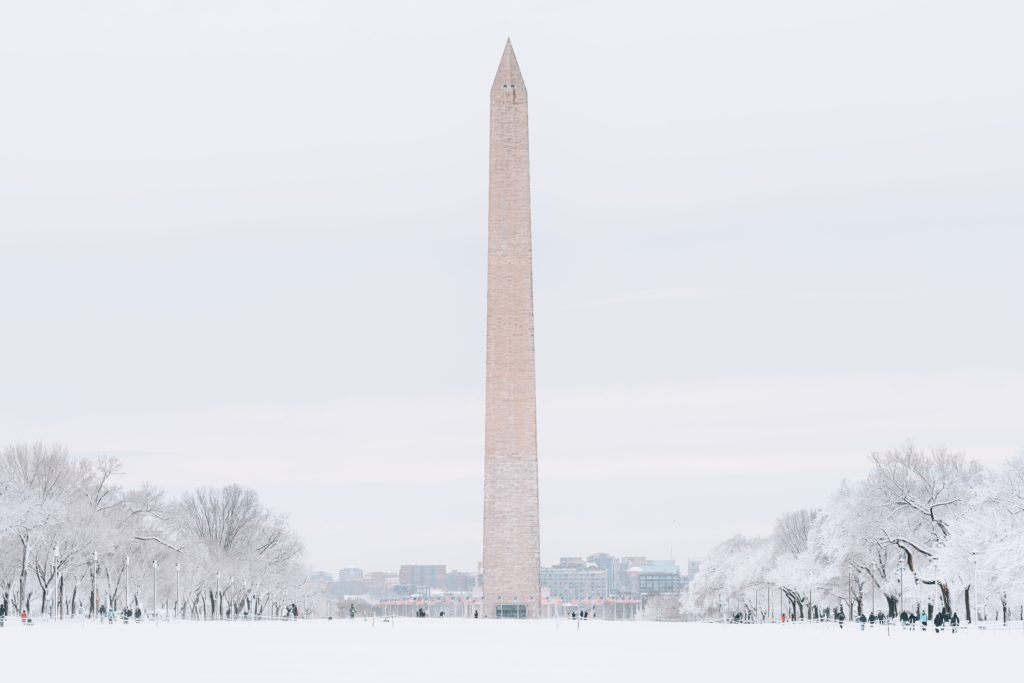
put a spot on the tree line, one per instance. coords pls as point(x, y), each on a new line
point(73, 540)
point(924, 530)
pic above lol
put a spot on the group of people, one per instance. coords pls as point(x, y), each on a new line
point(582, 615)
point(869, 619)
point(941, 619)
point(127, 614)
point(3, 615)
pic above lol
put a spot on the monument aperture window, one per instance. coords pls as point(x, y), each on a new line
point(510, 611)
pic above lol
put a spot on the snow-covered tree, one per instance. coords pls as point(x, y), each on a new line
point(923, 528)
point(65, 523)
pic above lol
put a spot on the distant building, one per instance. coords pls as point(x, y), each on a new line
point(424, 575)
point(350, 574)
point(460, 582)
point(616, 568)
point(575, 583)
point(634, 561)
point(692, 567)
point(322, 577)
point(655, 577)
point(379, 583)
point(351, 582)
point(570, 562)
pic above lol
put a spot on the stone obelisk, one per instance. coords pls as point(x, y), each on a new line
point(511, 566)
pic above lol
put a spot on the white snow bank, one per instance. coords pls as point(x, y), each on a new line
point(497, 651)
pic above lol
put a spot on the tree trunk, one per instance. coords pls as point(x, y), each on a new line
point(23, 576)
point(967, 603)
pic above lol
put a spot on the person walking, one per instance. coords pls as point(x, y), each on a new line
point(924, 620)
point(954, 623)
point(841, 617)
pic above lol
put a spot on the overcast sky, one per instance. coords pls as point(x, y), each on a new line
point(246, 242)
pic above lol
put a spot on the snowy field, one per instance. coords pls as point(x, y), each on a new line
point(488, 650)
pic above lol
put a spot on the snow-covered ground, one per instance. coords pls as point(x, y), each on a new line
point(497, 651)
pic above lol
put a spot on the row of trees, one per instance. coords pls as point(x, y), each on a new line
point(924, 530)
point(66, 526)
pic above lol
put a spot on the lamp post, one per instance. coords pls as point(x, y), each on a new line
point(154, 589)
point(177, 587)
point(127, 589)
point(53, 602)
point(903, 561)
point(849, 585)
point(216, 611)
point(974, 584)
point(94, 609)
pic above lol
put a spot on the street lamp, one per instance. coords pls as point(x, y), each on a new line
point(903, 561)
point(127, 589)
point(849, 586)
point(217, 607)
point(974, 584)
point(177, 586)
point(94, 609)
point(56, 583)
point(154, 589)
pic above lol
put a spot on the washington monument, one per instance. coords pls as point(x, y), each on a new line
point(511, 567)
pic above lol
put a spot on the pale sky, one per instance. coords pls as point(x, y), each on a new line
point(246, 242)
